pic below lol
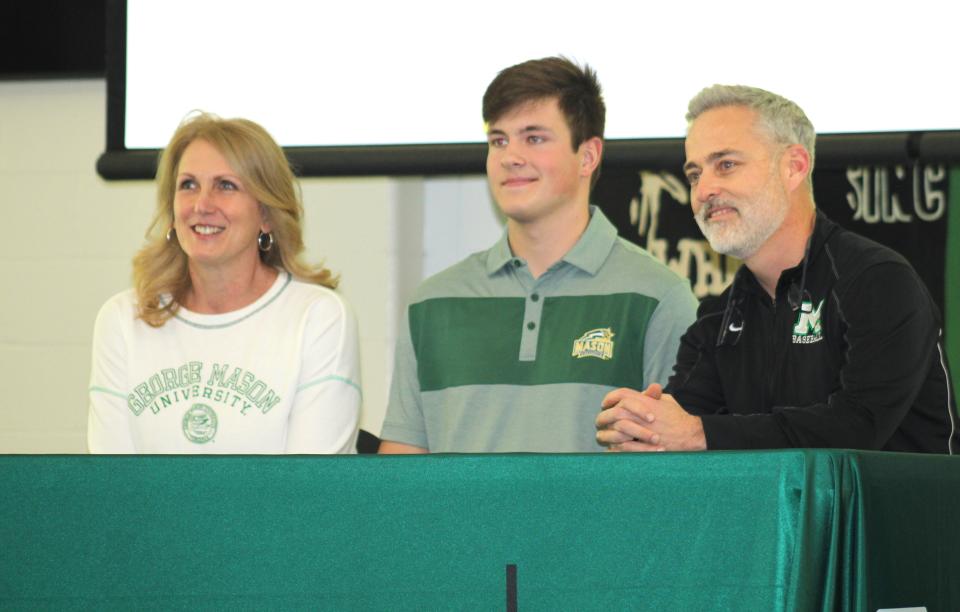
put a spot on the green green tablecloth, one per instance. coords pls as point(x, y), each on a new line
point(781, 530)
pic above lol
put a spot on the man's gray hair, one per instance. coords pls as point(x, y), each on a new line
point(782, 120)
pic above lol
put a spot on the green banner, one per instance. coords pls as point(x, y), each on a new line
point(951, 274)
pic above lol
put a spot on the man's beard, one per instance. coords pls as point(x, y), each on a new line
point(754, 221)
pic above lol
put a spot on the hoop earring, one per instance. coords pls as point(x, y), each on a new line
point(265, 241)
point(171, 233)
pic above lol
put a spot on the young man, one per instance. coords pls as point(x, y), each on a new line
point(823, 339)
point(513, 348)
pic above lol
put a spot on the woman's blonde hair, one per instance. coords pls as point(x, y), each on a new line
point(160, 274)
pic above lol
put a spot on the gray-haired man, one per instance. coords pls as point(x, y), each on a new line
point(823, 339)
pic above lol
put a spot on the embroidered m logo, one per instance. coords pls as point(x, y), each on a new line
point(808, 328)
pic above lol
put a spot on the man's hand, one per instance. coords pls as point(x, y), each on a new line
point(647, 421)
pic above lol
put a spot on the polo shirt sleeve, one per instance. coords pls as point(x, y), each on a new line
point(670, 321)
point(404, 420)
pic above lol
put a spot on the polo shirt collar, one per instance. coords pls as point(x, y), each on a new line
point(588, 254)
point(499, 255)
point(594, 245)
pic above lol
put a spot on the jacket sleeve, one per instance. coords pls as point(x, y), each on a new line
point(891, 332)
point(696, 383)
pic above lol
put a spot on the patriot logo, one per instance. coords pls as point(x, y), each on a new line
point(200, 424)
point(595, 343)
point(807, 329)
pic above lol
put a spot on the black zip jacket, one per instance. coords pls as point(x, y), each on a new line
point(848, 355)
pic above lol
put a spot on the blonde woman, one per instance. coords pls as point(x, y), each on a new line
point(228, 342)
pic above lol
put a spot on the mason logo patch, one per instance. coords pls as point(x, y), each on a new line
point(807, 329)
point(595, 343)
point(200, 424)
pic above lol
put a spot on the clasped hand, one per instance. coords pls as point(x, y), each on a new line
point(650, 420)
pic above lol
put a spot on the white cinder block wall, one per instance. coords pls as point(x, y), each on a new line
point(68, 237)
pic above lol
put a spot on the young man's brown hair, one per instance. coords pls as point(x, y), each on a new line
point(576, 90)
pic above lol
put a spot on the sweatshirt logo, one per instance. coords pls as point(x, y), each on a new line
point(232, 387)
point(200, 424)
point(595, 343)
point(807, 329)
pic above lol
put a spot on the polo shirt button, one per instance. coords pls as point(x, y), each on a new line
point(531, 325)
point(535, 297)
point(517, 263)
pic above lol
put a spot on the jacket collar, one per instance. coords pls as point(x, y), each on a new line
point(823, 228)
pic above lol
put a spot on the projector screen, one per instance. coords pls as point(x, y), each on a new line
point(382, 88)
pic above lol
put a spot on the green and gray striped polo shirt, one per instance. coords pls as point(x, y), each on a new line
point(493, 360)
